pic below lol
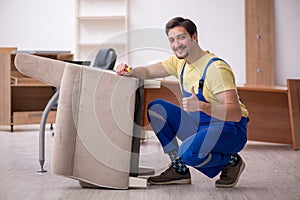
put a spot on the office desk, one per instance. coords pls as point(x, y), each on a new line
point(274, 110)
point(269, 113)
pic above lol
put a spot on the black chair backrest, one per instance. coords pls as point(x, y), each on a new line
point(105, 59)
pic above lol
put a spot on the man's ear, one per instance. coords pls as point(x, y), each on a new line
point(195, 37)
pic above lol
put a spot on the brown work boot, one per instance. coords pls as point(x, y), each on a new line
point(230, 174)
point(171, 176)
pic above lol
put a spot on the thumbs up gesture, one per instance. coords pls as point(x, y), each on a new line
point(191, 104)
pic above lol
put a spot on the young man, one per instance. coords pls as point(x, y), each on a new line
point(212, 124)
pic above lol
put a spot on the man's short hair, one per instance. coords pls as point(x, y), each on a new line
point(179, 21)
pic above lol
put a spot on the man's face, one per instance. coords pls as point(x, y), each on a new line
point(180, 41)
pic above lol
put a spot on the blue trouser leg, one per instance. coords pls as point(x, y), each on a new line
point(206, 147)
point(208, 155)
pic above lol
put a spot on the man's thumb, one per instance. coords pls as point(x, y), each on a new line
point(193, 91)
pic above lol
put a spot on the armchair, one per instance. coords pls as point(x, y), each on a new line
point(105, 59)
point(95, 128)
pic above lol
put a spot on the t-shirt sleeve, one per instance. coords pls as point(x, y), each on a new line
point(170, 65)
point(222, 78)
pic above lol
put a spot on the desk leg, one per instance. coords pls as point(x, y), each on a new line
point(294, 110)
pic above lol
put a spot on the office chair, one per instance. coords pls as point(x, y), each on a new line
point(105, 59)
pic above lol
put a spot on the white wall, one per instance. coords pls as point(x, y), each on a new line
point(38, 24)
point(287, 40)
point(50, 25)
point(220, 26)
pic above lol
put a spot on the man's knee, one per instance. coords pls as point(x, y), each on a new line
point(155, 102)
point(156, 109)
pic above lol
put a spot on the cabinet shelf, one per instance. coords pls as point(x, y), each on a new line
point(96, 18)
point(100, 24)
point(93, 44)
point(19, 80)
point(30, 85)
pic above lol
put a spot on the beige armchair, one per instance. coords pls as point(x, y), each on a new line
point(94, 122)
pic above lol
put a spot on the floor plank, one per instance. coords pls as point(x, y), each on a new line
point(272, 172)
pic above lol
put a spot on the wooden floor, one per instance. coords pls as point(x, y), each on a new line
point(272, 172)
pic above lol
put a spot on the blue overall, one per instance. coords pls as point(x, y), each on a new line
point(207, 142)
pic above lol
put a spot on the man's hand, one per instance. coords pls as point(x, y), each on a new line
point(123, 69)
point(191, 104)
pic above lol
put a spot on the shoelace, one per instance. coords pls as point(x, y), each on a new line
point(163, 173)
point(224, 172)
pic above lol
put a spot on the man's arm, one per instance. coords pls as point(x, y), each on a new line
point(228, 110)
point(148, 72)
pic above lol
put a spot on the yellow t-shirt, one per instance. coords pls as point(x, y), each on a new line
point(219, 76)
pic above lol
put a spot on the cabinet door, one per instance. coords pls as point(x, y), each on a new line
point(5, 92)
point(259, 42)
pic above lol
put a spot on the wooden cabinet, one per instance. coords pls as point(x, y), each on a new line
point(101, 24)
point(23, 99)
point(259, 42)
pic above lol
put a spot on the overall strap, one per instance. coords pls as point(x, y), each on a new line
point(181, 74)
point(201, 81)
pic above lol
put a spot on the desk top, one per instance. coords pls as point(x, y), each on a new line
point(41, 52)
point(247, 87)
point(263, 88)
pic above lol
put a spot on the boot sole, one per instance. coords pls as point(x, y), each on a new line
point(236, 181)
point(173, 182)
